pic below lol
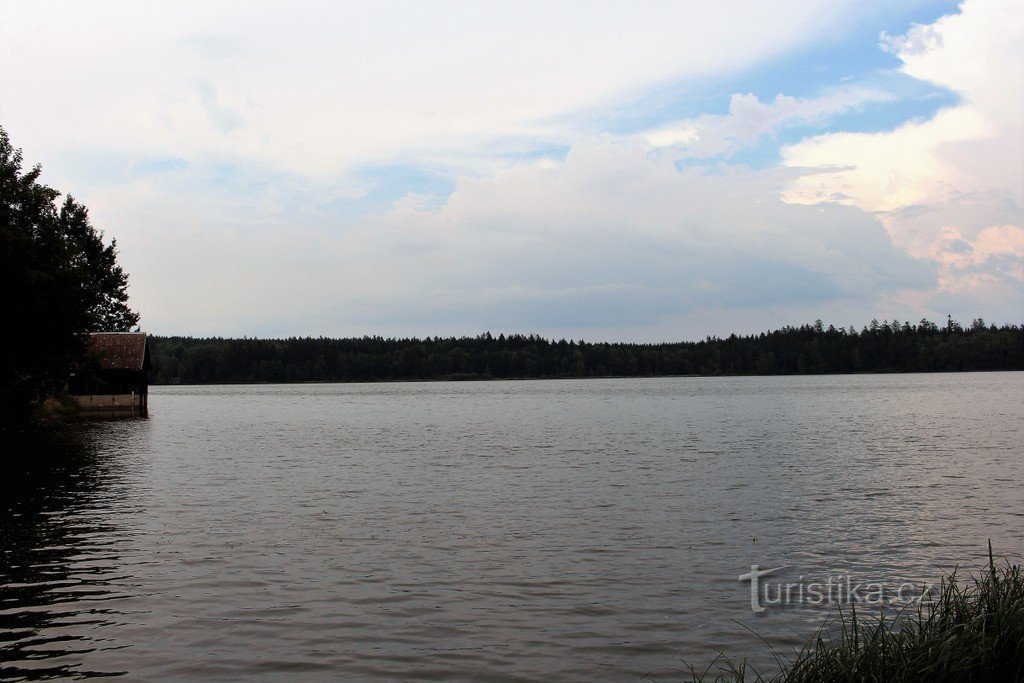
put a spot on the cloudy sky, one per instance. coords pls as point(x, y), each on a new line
point(605, 170)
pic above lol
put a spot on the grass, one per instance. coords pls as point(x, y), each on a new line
point(972, 630)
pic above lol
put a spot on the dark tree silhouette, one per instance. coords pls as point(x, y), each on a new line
point(882, 347)
point(59, 282)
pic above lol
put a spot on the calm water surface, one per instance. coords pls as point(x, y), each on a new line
point(541, 530)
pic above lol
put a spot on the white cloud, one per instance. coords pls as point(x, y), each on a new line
point(941, 184)
point(616, 238)
point(749, 120)
point(996, 253)
point(257, 114)
point(612, 242)
point(320, 88)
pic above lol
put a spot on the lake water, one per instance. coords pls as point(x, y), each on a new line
point(569, 530)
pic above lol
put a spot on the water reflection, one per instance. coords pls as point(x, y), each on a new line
point(57, 562)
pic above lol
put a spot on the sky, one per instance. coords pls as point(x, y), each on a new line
point(621, 171)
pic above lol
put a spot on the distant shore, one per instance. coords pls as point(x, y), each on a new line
point(548, 379)
point(807, 350)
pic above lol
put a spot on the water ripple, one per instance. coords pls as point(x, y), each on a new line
point(490, 531)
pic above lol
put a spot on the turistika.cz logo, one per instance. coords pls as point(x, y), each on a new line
point(842, 589)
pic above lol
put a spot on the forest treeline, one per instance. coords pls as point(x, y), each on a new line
point(808, 349)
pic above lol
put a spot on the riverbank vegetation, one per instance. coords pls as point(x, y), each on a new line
point(60, 282)
point(971, 630)
point(810, 349)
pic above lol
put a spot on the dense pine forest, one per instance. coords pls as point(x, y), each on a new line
point(809, 349)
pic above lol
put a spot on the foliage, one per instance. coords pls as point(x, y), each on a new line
point(971, 631)
point(60, 281)
point(880, 347)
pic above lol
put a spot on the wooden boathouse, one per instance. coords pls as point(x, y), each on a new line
point(115, 379)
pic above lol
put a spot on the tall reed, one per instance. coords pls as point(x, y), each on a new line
point(972, 630)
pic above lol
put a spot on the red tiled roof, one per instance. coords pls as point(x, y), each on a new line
point(119, 350)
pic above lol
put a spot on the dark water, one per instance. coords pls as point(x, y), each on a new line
point(501, 530)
